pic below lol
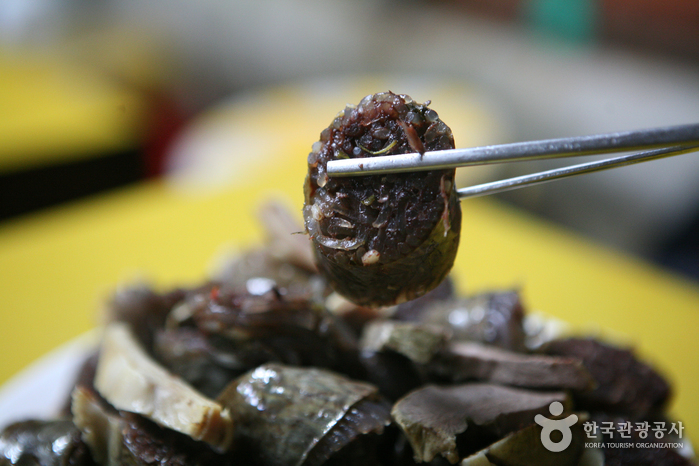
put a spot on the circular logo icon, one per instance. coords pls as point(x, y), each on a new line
point(561, 425)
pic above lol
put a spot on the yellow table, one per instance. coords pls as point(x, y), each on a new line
point(53, 110)
point(56, 268)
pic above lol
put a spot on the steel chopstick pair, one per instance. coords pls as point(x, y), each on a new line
point(654, 144)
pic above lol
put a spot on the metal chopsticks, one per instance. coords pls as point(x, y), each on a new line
point(665, 142)
point(559, 173)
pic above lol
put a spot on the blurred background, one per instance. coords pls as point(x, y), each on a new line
point(99, 95)
point(136, 137)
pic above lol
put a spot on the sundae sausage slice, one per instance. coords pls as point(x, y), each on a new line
point(119, 438)
point(38, 443)
point(463, 361)
point(382, 240)
point(457, 420)
point(101, 429)
point(131, 381)
point(294, 416)
point(417, 342)
point(624, 383)
point(524, 448)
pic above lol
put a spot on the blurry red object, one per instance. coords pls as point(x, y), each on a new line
point(166, 120)
point(666, 26)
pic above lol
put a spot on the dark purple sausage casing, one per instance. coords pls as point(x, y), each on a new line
point(382, 239)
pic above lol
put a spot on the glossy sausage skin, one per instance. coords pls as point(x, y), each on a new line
point(383, 239)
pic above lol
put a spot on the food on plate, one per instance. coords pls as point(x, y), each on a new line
point(383, 239)
point(464, 360)
point(524, 447)
point(124, 438)
point(130, 380)
point(261, 366)
point(43, 442)
point(352, 348)
point(494, 318)
point(295, 415)
point(623, 383)
point(474, 415)
point(418, 343)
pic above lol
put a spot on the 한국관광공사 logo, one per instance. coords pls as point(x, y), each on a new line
point(561, 425)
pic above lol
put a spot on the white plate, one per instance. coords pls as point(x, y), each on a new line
point(41, 390)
